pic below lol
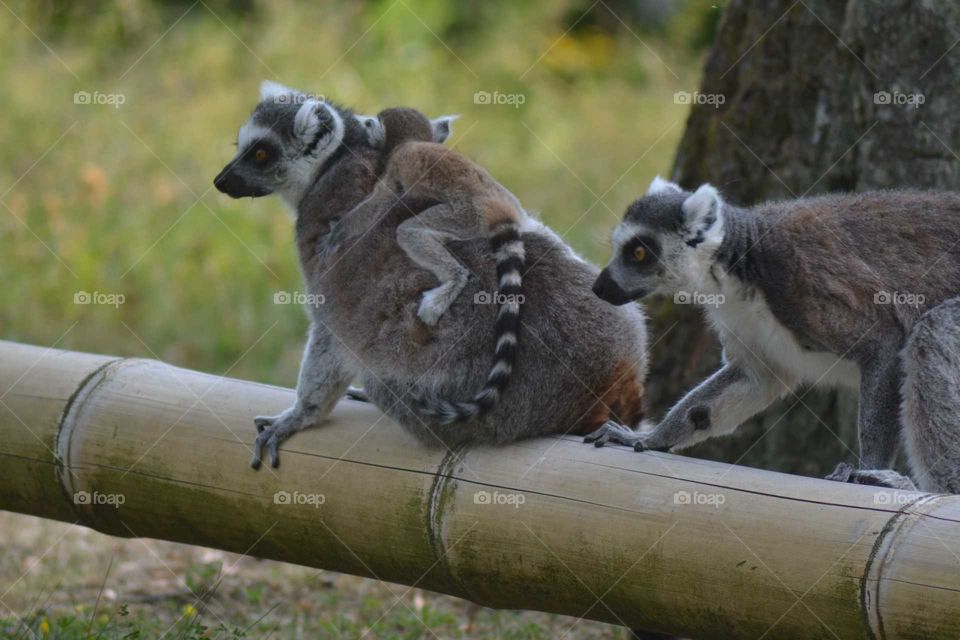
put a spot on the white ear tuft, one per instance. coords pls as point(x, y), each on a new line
point(702, 210)
point(659, 185)
point(442, 127)
point(376, 134)
point(307, 122)
point(270, 90)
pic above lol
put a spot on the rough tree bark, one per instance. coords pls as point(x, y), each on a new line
point(800, 117)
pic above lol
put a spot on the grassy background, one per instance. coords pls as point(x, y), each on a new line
point(118, 200)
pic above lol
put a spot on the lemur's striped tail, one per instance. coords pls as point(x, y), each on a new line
point(509, 255)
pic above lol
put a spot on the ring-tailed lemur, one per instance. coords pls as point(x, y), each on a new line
point(858, 290)
point(470, 204)
point(586, 364)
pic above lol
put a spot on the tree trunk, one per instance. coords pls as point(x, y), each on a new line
point(818, 96)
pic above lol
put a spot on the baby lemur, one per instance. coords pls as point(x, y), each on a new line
point(858, 290)
point(584, 364)
point(470, 204)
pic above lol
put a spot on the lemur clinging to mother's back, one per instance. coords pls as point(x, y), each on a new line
point(469, 204)
point(586, 365)
point(858, 290)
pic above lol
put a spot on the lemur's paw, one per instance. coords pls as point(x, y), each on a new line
point(271, 431)
point(358, 394)
point(841, 473)
point(846, 472)
point(432, 306)
point(615, 433)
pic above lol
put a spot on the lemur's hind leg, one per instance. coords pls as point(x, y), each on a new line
point(878, 421)
point(424, 238)
point(931, 399)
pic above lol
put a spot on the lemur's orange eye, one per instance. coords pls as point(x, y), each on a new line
point(640, 254)
point(260, 155)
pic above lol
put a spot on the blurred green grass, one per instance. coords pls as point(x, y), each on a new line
point(119, 200)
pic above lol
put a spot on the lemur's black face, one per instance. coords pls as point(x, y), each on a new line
point(253, 172)
point(637, 261)
point(664, 245)
point(287, 139)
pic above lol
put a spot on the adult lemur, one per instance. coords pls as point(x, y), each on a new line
point(584, 362)
point(857, 290)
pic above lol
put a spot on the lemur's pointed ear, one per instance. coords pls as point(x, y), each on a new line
point(659, 185)
point(376, 134)
point(270, 90)
point(442, 127)
point(702, 211)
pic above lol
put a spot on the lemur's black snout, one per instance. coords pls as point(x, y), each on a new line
point(232, 184)
point(229, 183)
point(607, 289)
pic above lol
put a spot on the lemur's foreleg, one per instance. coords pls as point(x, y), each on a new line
point(321, 384)
point(423, 238)
point(717, 406)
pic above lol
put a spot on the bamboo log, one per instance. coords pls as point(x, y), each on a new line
point(139, 448)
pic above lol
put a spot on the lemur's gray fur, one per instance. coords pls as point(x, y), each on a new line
point(584, 361)
point(857, 290)
point(473, 204)
point(470, 204)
